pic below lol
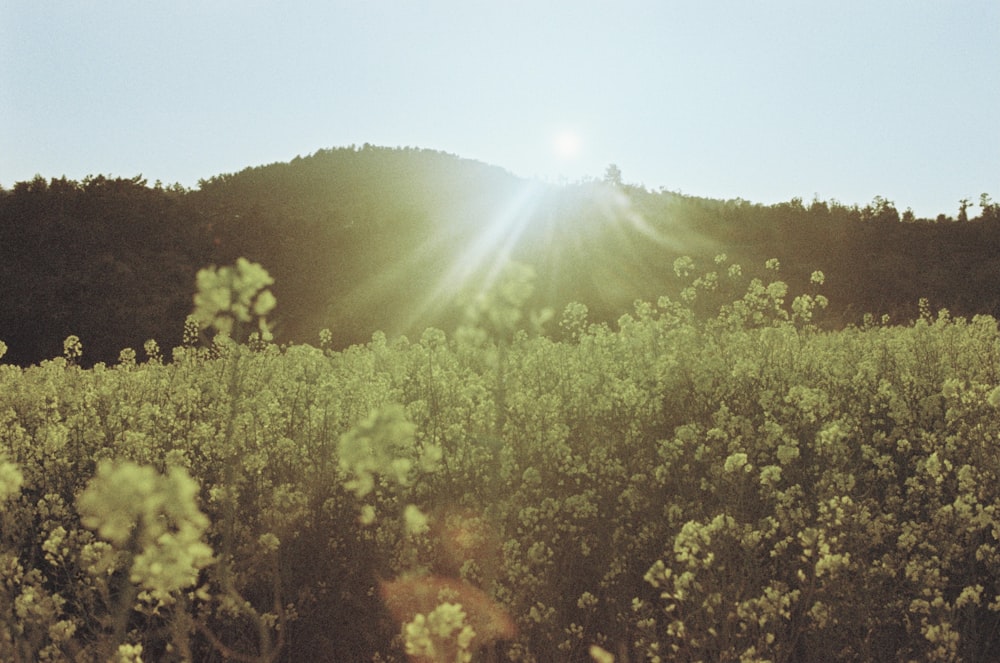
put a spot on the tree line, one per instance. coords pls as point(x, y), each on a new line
point(367, 238)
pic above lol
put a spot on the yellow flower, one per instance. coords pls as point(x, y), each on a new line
point(735, 462)
point(11, 480)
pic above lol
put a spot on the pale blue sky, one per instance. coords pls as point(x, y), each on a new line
point(763, 100)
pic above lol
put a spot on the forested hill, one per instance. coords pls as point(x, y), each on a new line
point(366, 239)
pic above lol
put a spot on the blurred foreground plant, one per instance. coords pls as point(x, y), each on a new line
point(154, 523)
point(153, 518)
point(228, 296)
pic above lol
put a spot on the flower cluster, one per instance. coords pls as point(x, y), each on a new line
point(442, 636)
point(230, 295)
point(72, 347)
point(11, 480)
point(155, 518)
point(382, 444)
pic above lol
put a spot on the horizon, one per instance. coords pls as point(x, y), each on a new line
point(531, 182)
point(765, 103)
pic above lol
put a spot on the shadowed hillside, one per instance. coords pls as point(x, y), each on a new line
point(362, 239)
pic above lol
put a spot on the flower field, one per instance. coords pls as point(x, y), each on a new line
point(746, 487)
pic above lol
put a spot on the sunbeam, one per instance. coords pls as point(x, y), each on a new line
point(588, 241)
point(481, 260)
point(458, 259)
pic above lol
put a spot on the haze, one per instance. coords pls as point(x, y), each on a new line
point(763, 101)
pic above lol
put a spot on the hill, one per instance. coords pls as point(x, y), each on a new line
point(371, 238)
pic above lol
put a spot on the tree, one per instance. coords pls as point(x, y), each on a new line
point(963, 205)
point(990, 209)
point(613, 175)
point(880, 210)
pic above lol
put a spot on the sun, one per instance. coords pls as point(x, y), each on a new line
point(567, 144)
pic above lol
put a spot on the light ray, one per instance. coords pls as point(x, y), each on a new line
point(478, 262)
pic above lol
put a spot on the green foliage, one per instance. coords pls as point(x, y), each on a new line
point(366, 238)
point(745, 486)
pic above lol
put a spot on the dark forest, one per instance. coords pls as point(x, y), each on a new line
point(370, 238)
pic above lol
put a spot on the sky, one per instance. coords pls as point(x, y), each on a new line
point(763, 100)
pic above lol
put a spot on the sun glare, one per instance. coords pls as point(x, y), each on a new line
point(590, 221)
point(567, 144)
point(479, 263)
